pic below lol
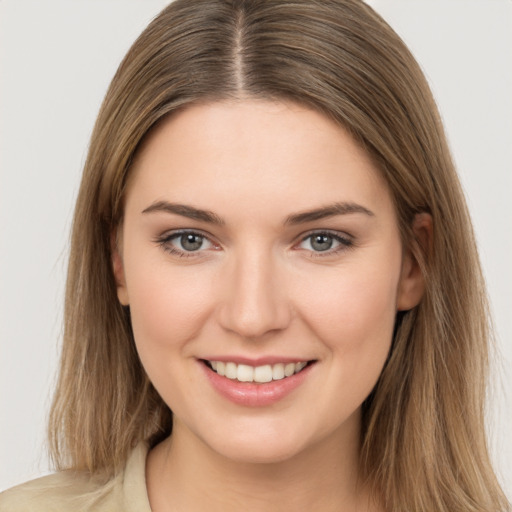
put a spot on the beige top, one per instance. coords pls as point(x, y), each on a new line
point(69, 491)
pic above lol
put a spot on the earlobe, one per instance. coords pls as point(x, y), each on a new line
point(412, 281)
point(118, 269)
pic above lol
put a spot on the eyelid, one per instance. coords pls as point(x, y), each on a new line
point(345, 240)
point(165, 238)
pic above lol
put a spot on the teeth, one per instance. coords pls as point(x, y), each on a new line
point(231, 370)
point(289, 369)
point(245, 373)
point(221, 368)
point(300, 366)
point(265, 373)
point(278, 371)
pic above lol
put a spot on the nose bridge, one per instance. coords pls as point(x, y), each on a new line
point(255, 303)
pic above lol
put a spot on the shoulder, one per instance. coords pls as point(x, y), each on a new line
point(75, 491)
point(63, 491)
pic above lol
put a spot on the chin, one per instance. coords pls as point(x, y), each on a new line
point(259, 453)
point(261, 444)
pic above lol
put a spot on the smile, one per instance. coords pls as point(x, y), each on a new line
point(258, 374)
point(257, 384)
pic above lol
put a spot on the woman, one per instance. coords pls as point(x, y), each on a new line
point(261, 246)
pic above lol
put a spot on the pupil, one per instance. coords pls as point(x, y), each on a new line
point(321, 242)
point(191, 242)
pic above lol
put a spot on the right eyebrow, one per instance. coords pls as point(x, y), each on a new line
point(185, 211)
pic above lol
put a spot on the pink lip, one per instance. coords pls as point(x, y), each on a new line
point(250, 394)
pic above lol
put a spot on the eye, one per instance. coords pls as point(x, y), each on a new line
point(183, 243)
point(190, 242)
point(325, 242)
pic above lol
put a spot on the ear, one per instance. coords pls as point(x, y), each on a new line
point(412, 282)
point(118, 267)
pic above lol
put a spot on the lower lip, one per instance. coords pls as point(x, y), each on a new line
point(251, 394)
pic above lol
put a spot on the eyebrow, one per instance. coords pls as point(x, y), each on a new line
point(324, 212)
point(343, 208)
point(185, 211)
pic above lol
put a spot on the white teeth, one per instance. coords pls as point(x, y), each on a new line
point(261, 374)
point(231, 370)
point(245, 373)
point(289, 369)
point(278, 371)
point(221, 368)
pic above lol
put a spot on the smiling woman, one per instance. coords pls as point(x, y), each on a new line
point(265, 301)
point(297, 296)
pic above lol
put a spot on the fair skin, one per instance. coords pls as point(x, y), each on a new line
point(284, 249)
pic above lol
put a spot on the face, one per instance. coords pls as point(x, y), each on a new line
point(262, 263)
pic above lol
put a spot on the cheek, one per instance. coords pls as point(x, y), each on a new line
point(354, 321)
point(167, 306)
point(168, 309)
point(354, 317)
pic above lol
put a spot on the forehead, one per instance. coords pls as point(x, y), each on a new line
point(256, 154)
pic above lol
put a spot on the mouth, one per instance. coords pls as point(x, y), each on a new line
point(256, 374)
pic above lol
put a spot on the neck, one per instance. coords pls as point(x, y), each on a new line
point(183, 473)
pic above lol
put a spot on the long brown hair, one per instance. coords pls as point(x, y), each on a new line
point(423, 439)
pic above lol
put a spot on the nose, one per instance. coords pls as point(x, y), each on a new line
point(254, 301)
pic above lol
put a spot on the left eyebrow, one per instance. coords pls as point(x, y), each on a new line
point(324, 212)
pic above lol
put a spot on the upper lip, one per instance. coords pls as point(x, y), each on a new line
point(258, 361)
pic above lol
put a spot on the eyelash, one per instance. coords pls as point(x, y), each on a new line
point(345, 243)
point(164, 242)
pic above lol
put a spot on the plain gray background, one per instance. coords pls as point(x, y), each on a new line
point(56, 60)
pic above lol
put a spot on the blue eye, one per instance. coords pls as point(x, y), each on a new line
point(324, 242)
